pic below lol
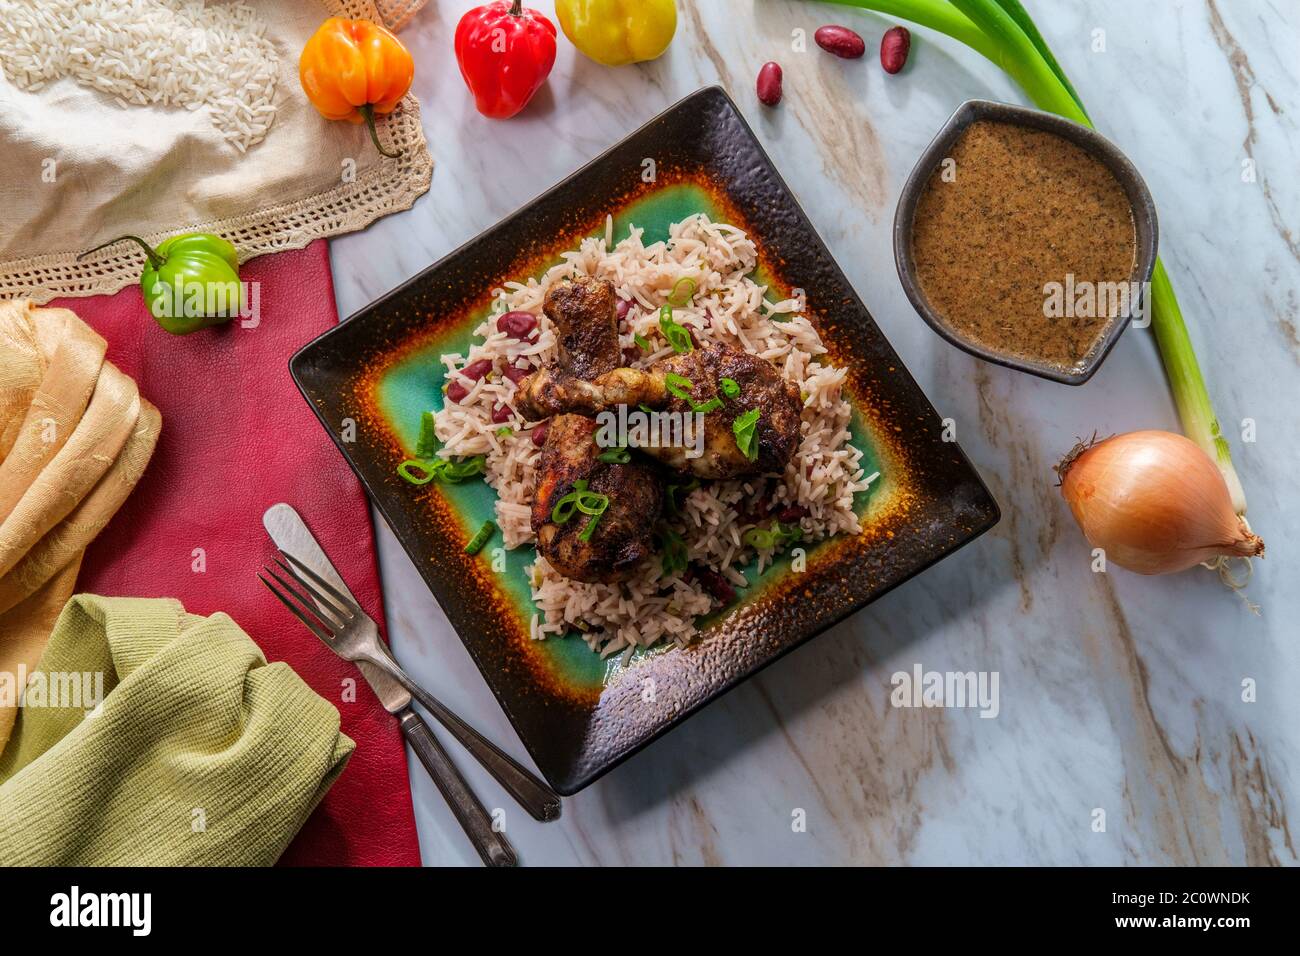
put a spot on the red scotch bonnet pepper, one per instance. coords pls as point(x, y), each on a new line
point(505, 53)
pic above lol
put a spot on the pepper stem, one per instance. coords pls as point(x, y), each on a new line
point(155, 259)
point(368, 111)
point(517, 8)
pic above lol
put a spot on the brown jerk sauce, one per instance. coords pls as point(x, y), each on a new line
point(1016, 210)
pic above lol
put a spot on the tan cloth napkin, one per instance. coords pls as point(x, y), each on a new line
point(75, 436)
point(78, 169)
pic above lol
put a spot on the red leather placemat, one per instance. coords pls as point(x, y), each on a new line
point(237, 437)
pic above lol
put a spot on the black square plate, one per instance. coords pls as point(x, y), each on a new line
point(369, 379)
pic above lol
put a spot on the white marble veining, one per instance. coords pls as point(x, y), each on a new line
point(1117, 692)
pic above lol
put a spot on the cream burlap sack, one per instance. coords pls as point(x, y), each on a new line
point(78, 168)
point(75, 436)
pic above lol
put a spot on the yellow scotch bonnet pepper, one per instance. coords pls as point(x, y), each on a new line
point(615, 32)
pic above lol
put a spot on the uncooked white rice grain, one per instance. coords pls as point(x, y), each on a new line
point(217, 56)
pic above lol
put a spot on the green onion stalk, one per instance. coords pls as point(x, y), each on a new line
point(1003, 32)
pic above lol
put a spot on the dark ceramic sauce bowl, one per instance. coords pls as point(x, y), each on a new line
point(1093, 143)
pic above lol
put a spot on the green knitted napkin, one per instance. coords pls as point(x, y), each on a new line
point(201, 753)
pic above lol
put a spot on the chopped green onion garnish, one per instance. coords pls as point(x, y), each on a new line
point(457, 471)
point(683, 291)
point(421, 471)
point(646, 408)
point(746, 437)
point(592, 503)
point(615, 456)
point(579, 499)
point(565, 507)
point(730, 387)
point(480, 538)
point(675, 557)
point(773, 537)
point(427, 444)
point(676, 334)
point(679, 385)
point(590, 529)
point(505, 432)
point(641, 342)
point(417, 472)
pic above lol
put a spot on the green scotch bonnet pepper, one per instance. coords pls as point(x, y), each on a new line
point(190, 281)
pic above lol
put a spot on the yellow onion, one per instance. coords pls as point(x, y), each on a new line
point(1154, 502)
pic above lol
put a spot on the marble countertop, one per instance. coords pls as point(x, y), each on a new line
point(1117, 693)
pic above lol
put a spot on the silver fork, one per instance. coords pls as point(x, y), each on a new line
point(351, 633)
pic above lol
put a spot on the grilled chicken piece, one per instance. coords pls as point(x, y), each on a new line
point(549, 391)
point(761, 387)
point(622, 535)
point(583, 312)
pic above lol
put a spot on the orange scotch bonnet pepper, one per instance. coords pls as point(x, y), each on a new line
point(354, 69)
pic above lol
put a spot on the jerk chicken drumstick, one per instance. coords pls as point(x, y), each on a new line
point(550, 391)
point(583, 312)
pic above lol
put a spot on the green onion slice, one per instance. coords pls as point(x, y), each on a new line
point(615, 456)
point(712, 405)
point(676, 334)
point(421, 471)
point(683, 291)
point(774, 537)
point(679, 385)
point(590, 529)
point(592, 503)
point(641, 342)
point(579, 499)
point(746, 436)
point(417, 472)
point(566, 506)
point(427, 444)
point(675, 557)
point(457, 471)
point(480, 537)
point(729, 387)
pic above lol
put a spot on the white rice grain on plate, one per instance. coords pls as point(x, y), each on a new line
point(150, 52)
point(728, 306)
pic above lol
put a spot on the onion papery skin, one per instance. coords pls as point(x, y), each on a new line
point(1154, 502)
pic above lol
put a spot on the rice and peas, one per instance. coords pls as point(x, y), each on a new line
point(816, 491)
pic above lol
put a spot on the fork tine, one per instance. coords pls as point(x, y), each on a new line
point(311, 625)
point(334, 592)
point(325, 615)
point(342, 614)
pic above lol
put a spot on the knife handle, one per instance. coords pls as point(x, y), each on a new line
point(541, 802)
point(491, 845)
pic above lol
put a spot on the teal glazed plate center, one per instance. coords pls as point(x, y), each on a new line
point(577, 714)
